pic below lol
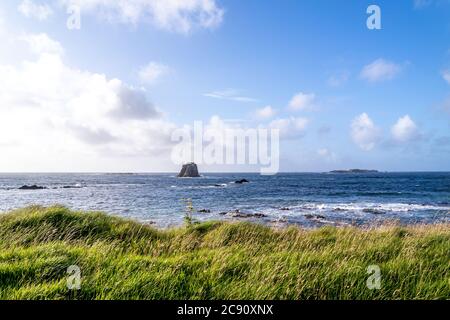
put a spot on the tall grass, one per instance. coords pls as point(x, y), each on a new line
point(121, 259)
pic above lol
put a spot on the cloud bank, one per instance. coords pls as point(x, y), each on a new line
point(174, 15)
point(51, 110)
point(31, 9)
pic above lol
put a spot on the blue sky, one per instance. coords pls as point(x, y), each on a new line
point(367, 98)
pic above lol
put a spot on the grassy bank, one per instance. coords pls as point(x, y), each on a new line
point(120, 259)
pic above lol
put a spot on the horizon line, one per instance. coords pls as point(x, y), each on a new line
point(214, 172)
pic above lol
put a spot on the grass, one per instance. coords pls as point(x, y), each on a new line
point(121, 259)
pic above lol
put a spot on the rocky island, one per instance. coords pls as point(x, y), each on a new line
point(189, 170)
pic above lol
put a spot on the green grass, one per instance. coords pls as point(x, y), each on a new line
point(121, 259)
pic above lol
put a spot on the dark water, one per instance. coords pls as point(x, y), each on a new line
point(313, 199)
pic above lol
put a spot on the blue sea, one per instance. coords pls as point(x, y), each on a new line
point(306, 199)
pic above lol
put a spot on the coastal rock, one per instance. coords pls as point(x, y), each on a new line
point(33, 187)
point(241, 181)
point(259, 215)
point(189, 170)
point(279, 220)
point(285, 209)
point(373, 211)
point(204, 211)
point(238, 214)
point(314, 216)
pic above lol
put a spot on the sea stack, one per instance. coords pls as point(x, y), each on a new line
point(189, 170)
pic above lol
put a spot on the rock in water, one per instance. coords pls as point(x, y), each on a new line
point(189, 170)
point(33, 187)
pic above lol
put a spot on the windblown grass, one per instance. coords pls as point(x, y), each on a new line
point(121, 259)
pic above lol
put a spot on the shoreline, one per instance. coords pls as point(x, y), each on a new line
point(312, 221)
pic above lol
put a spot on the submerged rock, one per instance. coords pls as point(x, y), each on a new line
point(238, 214)
point(259, 215)
point(280, 220)
point(189, 170)
point(373, 211)
point(33, 187)
point(242, 181)
point(314, 216)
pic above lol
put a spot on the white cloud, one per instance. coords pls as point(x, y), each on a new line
point(302, 101)
point(53, 111)
point(174, 15)
point(290, 127)
point(266, 112)
point(405, 130)
point(229, 94)
point(380, 70)
point(42, 43)
point(153, 71)
point(364, 132)
point(32, 10)
point(446, 75)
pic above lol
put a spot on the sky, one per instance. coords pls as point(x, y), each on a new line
point(107, 96)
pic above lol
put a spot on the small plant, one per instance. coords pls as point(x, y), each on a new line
point(189, 212)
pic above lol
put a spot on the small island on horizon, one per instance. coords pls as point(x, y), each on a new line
point(355, 171)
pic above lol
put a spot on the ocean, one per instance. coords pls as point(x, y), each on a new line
point(306, 199)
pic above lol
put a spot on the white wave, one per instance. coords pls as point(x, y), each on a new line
point(221, 185)
point(386, 207)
